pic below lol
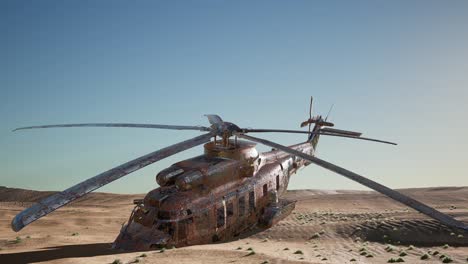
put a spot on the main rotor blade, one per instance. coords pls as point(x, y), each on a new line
point(408, 201)
point(58, 200)
point(251, 130)
point(200, 128)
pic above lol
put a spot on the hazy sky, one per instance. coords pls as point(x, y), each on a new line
point(395, 70)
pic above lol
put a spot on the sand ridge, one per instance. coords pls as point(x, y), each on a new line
point(326, 227)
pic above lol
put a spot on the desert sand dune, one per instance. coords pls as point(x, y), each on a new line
point(326, 227)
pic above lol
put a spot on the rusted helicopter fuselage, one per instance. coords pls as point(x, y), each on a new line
point(214, 197)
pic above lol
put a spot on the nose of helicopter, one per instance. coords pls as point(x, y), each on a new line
point(137, 237)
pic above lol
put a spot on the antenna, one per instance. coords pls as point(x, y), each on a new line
point(329, 111)
point(310, 110)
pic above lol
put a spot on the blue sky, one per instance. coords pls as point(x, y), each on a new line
point(395, 70)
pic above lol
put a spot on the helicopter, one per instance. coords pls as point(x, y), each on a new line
point(225, 192)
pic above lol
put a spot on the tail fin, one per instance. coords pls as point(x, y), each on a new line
point(313, 136)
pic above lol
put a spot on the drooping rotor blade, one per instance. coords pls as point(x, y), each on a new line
point(58, 200)
point(200, 128)
point(251, 130)
point(408, 201)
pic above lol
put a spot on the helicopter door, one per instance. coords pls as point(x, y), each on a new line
point(185, 228)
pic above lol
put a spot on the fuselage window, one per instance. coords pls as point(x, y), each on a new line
point(230, 209)
point(241, 206)
point(277, 183)
point(220, 219)
point(251, 201)
point(265, 189)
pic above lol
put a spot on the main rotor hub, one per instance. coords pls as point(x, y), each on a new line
point(225, 129)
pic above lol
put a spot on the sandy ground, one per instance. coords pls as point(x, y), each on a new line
point(326, 227)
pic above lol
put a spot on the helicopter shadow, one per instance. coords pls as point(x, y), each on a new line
point(59, 252)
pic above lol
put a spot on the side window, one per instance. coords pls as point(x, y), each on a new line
point(252, 201)
point(241, 205)
point(230, 209)
point(277, 183)
point(220, 217)
point(265, 189)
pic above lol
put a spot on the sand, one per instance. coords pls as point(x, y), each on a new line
point(325, 227)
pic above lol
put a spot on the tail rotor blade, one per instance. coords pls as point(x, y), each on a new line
point(408, 201)
point(175, 127)
point(360, 138)
point(58, 200)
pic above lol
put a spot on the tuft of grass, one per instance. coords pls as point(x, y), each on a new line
point(324, 259)
point(352, 260)
point(28, 237)
point(460, 236)
point(392, 260)
point(17, 240)
point(298, 252)
point(362, 249)
point(402, 254)
point(447, 260)
point(425, 256)
point(117, 261)
point(75, 234)
point(445, 246)
point(411, 247)
point(314, 236)
point(369, 255)
point(249, 248)
point(239, 248)
point(265, 262)
point(250, 253)
point(400, 260)
point(162, 250)
point(435, 253)
point(286, 249)
point(363, 253)
point(389, 249)
point(143, 255)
